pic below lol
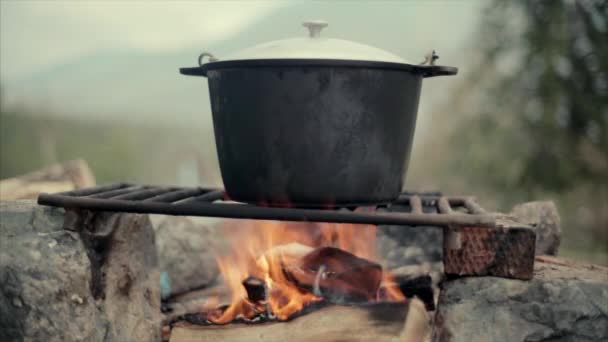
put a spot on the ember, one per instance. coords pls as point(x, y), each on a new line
point(278, 268)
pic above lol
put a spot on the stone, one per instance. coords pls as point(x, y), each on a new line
point(544, 218)
point(186, 250)
point(563, 302)
point(400, 246)
point(76, 276)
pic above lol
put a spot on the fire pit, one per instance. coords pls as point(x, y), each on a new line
point(281, 269)
point(475, 242)
point(307, 266)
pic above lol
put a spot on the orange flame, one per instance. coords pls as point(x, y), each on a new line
point(262, 248)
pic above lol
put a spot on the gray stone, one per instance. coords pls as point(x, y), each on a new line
point(544, 218)
point(186, 250)
point(403, 245)
point(563, 302)
point(400, 246)
point(63, 278)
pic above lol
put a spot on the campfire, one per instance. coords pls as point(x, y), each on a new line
point(298, 281)
point(321, 238)
point(275, 270)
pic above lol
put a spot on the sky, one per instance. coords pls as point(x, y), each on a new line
point(119, 60)
point(38, 34)
point(63, 30)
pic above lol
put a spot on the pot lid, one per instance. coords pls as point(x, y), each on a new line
point(315, 50)
point(315, 46)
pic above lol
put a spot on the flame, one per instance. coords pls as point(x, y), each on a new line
point(261, 248)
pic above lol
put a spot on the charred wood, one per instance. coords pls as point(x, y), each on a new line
point(336, 275)
point(256, 289)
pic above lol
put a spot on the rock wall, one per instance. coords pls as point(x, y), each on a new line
point(563, 302)
point(186, 250)
point(76, 276)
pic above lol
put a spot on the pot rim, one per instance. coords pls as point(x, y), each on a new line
point(422, 70)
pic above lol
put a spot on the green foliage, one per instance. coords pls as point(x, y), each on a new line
point(536, 122)
point(116, 151)
point(545, 65)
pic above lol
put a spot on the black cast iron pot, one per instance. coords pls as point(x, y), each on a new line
point(314, 121)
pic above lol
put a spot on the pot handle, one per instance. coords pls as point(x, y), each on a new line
point(202, 56)
point(428, 68)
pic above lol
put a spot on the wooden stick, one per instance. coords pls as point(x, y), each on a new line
point(256, 289)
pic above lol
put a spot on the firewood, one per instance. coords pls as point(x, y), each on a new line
point(336, 275)
point(376, 322)
point(277, 256)
point(194, 301)
point(419, 286)
point(288, 253)
point(256, 289)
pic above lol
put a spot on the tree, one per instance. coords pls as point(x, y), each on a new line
point(536, 110)
point(545, 64)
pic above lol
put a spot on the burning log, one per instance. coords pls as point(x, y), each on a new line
point(287, 278)
point(336, 275)
point(403, 321)
point(256, 289)
point(418, 286)
point(287, 254)
point(194, 302)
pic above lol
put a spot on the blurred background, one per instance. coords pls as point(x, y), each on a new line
point(526, 118)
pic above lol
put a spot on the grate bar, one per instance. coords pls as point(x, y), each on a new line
point(473, 207)
point(416, 204)
point(94, 190)
point(456, 201)
point(245, 211)
point(175, 195)
point(210, 196)
point(143, 194)
point(118, 192)
point(444, 206)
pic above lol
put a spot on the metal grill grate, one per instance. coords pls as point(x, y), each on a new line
point(420, 209)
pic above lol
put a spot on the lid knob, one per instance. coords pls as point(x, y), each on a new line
point(315, 27)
